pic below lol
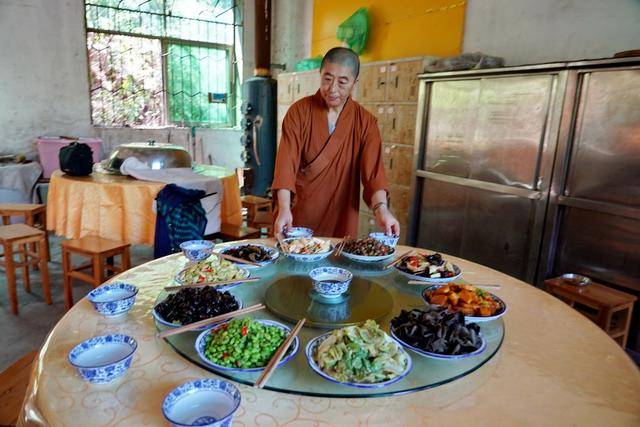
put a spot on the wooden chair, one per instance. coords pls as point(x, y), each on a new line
point(25, 237)
point(101, 253)
point(609, 308)
point(13, 385)
point(230, 233)
point(255, 204)
point(34, 215)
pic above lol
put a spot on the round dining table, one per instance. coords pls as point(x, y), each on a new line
point(554, 367)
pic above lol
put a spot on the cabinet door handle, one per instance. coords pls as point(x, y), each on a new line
point(298, 88)
point(393, 124)
point(396, 81)
point(380, 82)
point(391, 163)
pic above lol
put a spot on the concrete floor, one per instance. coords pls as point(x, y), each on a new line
point(27, 331)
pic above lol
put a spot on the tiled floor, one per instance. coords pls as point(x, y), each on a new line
point(27, 331)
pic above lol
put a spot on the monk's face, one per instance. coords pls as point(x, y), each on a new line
point(336, 84)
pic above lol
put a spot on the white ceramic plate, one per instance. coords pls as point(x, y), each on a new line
point(365, 258)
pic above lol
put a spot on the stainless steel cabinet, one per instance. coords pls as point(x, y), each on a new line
point(485, 167)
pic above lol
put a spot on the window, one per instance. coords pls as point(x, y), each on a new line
point(158, 62)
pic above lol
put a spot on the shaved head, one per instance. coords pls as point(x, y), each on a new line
point(342, 56)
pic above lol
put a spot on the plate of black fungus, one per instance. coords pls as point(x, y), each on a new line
point(190, 305)
point(437, 333)
point(253, 252)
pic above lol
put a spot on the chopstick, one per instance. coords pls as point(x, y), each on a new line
point(283, 245)
point(341, 244)
point(421, 282)
point(234, 259)
point(214, 284)
point(277, 356)
point(397, 260)
point(209, 321)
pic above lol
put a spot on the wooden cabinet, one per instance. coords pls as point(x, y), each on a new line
point(378, 111)
point(366, 224)
point(373, 83)
point(400, 124)
point(398, 162)
point(402, 80)
point(285, 89)
point(399, 202)
point(305, 84)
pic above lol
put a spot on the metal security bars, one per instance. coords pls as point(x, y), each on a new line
point(159, 62)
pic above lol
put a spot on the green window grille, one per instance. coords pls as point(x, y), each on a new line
point(161, 62)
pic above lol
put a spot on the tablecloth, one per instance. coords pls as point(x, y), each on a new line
point(120, 207)
point(20, 177)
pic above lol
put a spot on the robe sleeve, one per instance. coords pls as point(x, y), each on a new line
point(289, 153)
point(371, 163)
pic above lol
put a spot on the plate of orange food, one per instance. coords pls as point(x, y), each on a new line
point(476, 304)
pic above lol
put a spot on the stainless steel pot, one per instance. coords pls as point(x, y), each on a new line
point(155, 155)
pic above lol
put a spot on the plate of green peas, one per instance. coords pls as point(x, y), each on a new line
point(244, 345)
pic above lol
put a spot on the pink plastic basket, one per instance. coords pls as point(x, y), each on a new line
point(49, 148)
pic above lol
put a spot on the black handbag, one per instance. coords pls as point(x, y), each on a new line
point(76, 159)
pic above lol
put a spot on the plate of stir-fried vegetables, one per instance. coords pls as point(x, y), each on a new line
point(362, 356)
point(212, 269)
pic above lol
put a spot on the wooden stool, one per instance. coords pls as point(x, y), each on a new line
point(263, 220)
point(230, 233)
point(101, 251)
point(607, 307)
point(13, 385)
point(34, 215)
point(25, 237)
point(255, 204)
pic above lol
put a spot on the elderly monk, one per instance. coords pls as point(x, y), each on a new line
point(330, 144)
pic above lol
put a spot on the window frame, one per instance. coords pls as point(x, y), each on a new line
point(232, 118)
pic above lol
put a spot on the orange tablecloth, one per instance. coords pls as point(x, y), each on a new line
point(120, 207)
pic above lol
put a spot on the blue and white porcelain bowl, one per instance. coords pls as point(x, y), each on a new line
point(197, 250)
point(104, 358)
point(201, 342)
point(202, 402)
point(113, 299)
point(330, 282)
point(298, 232)
point(387, 240)
point(311, 350)
point(160, 320)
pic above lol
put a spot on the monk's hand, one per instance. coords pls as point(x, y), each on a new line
point(283, 220)
point(387, 222)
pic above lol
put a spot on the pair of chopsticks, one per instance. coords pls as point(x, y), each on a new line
point(234, 259)
point(209, 321)
point(341, 244)
point(283, 245)
point(213, 284)
point(421, 282)
point(278, 355)
point(398, 260)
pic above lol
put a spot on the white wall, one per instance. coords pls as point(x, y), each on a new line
point(533, 31)
point(44, 86)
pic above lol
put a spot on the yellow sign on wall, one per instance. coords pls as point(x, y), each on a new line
point(398, 28)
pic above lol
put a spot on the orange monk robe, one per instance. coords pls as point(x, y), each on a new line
point(323, 171)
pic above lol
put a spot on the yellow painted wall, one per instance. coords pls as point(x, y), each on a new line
point(398, 28)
